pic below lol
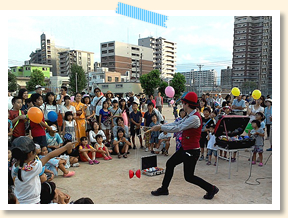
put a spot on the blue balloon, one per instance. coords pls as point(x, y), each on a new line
point(52, 116)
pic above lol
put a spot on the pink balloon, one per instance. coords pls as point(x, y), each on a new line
point(72, 98)
point(169, 91)
point(172, 102)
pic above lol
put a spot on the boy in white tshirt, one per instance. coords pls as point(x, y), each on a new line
point(163, 143)
point(212, 149)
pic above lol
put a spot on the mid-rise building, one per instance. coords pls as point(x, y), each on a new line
point(164, 55)
point(122, 57)
point(47, 54)
point(200, 81)
point(252, 52)
point(81, 58)
point(61, 58)
point(27, 69)
point(226, 78)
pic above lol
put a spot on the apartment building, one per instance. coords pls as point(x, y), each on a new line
point(200, 81)
point(226, 78)
point(164, 55)
point(84, 59)
point(123, 57)
point(252, 52)
point(61, 58)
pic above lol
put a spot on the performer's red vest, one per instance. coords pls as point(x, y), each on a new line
point(191, 137)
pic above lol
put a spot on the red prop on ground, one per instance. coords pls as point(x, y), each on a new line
point(138, 173)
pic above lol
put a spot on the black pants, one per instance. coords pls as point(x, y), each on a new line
point(268, 129)
point(189, 162)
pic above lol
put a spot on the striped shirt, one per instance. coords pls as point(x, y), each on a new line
point(188, 122)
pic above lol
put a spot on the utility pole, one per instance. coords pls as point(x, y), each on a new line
point(200, 66)
point(140, 63)
point(76, 82)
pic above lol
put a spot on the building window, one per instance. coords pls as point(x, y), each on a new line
point(104, 52)
point(105, 86)
point(110, 44)
point(116, 79)
point(14, 70)
point(111, 51)
point(101, 77)
point(109, 78)
point(119, 86)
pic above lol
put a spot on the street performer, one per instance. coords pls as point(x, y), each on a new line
point(190, 150)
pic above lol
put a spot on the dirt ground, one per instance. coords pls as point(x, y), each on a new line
point(109, 183)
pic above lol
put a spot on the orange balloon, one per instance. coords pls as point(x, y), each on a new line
point(35, 114)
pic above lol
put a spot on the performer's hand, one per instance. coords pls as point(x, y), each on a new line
point(156, 128)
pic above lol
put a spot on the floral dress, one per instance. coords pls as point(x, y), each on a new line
point(178, 136)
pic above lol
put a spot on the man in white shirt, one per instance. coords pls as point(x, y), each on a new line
point(163, 143)
point(97, 102)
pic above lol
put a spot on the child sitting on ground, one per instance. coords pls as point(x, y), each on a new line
point(121, 144)
point(87, 152)
point(26, 169)
point(163, 143)
point(258, 133)
point(53, 139)
point(212, 149)
point(102, 150)
point(55, 163)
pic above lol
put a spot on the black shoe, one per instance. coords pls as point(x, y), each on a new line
point(160, 191)
point(152, 152)
point(210, 195)
point(134, 147)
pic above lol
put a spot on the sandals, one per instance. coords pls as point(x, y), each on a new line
point(106, 158)
point(119, 155)
point(125, 155)
point(69, 174)
point(110, 158)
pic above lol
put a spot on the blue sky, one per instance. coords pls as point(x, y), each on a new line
point(206, 40)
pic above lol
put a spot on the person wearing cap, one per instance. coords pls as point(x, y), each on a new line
point(25, 171)
point(219, 99)
point(189, 153)
point(268, 115)
point(39, 89)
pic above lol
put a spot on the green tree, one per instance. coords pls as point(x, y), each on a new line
point(12, 82)
point(248, 86)
point(178, 83)
point(81, 78)
point(37, 78)
point(150, 81)
point(162, 87)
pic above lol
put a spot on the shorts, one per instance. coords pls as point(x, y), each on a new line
point(203, 141)
point(83, 159)
point(134, 131)
point(147, 137)
point(154, 140)
point(100, 154)
point(41, 140)
point(258, 149)
point(162, 146)
point(214, 152)
point(103, 127)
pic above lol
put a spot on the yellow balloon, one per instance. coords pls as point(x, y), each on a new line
point(29, 95)
point(256, 94)
point(235, 91)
